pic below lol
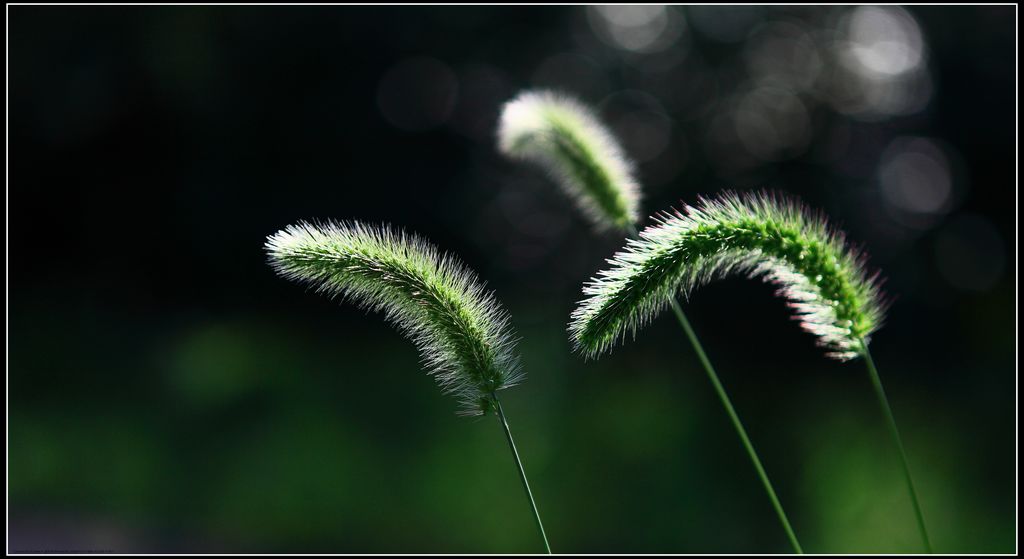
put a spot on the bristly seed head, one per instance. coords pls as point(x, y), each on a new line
point(460, 329)
point(566, 139)
point(761, 234)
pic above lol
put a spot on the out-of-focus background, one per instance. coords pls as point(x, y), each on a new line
point(168, 393)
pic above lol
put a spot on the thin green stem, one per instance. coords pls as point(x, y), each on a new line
point(522, 473)
point(720, 390)
point(890, 420)
point(737, 424)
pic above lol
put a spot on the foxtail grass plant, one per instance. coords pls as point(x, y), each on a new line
point(565, 138)
point(823, 280)
point(462, 332)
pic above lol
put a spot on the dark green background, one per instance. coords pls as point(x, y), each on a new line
point(167, 393)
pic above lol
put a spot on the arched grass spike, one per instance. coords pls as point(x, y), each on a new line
point(566, 139)
point(461, 331)
point(763, 235)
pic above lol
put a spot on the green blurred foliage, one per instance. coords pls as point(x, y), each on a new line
point(272, 435)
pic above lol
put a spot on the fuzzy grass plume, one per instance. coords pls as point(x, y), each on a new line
point(461, 331)
point(763, 235)
point(566, 139)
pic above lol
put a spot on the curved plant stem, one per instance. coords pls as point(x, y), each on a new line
point(720, 390)
point(876, 383)
point(522, 473)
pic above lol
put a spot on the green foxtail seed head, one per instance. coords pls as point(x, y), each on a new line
point(461, 331)
point(566, 139)
point(823, 280)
